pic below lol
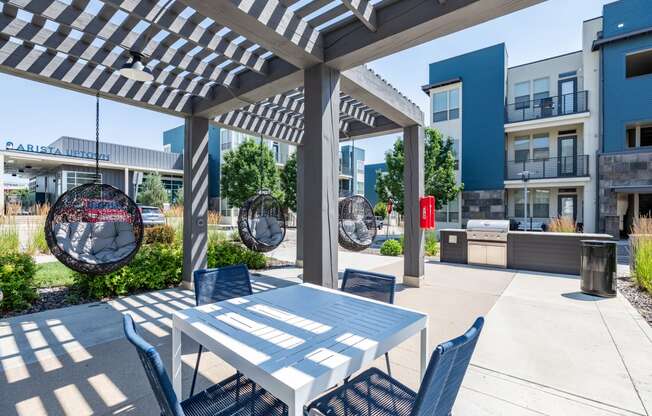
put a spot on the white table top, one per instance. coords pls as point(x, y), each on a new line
point(298, 341)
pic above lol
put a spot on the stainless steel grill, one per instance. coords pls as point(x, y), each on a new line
point(487, 242)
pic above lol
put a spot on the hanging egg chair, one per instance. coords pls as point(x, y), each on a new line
point(261, 223)
point(261, 220)
point(357, 223)
point(94, 228)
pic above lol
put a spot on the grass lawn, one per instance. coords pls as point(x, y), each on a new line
point(52, 274)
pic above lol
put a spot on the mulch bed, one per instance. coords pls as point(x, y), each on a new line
point(51, 298)
point(639, 298)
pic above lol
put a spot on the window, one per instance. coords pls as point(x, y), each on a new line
point(638, 64)
point(446, 105)
point(448, 212)
point(519, 203)
point(360, 165)
point(521, 149)
point(454, 104)
point(73, 179)
point(440, 103)
point(646, 136)
point(541, 89)
point(276, 151)
point(522, 95)
point(540, 146)
point(639, 136)
point(167, 148)
point(631, 137)
point(541, 206)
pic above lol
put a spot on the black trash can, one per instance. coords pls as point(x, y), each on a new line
point(598, 267)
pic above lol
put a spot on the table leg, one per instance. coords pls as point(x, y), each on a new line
point(177, 384)
point(424, 352)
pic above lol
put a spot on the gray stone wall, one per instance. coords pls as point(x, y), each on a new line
point(488, 205)
point(619, 170)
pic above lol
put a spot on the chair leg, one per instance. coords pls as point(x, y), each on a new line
point(389, 370)
point(194, 376)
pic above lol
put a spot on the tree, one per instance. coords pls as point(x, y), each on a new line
point(380, 209)
point(152, 192)
point(241, 173)
point(439, 172)
point(289, 182)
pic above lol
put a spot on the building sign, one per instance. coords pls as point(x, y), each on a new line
point(55, 151)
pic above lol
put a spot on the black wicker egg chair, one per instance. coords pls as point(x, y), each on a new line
point(261, 223)
point(357, 223)
point(94, 229)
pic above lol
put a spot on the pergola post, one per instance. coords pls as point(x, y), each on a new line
point(300, 206)
point(195, 196)
point(2, 185)
point(321, 151)
point(413, 141)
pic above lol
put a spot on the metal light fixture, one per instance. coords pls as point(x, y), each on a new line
point(135, 70)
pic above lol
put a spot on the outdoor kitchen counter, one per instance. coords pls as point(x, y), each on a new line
point(526, 250)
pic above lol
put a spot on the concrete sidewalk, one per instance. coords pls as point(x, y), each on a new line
point(545, 349)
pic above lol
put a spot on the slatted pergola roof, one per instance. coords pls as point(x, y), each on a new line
point(238, 62)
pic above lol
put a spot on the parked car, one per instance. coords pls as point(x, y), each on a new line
point(151, 216)
point(379, 222)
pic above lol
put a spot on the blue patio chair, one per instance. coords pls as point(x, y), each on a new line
point(375, 393)
point(235, 395)
point(215, 285)
point(370, 285)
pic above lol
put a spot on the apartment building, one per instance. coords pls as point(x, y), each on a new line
point(577, 128)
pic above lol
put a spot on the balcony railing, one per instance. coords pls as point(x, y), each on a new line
point(572, 103)
point(550, 168)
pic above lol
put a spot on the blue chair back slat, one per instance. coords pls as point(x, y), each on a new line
point(445, 373)
point(376, 286)
point(155, 370)
point(215, 285)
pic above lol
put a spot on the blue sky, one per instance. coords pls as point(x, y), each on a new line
point(37, 114)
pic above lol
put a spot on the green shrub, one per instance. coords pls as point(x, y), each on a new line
point(226, 253)
point(431, 246)
point(161, 234)
point(155, 266)
point(16, 281)
point(391, 248)
point(643, 263)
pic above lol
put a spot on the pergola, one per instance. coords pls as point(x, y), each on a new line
point(286, 69)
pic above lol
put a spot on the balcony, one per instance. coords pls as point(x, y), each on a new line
point(548, 107)
point(550, 168)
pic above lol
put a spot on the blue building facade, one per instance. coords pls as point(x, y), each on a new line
point(370, 174)
point(626, 98)
point(173, 142)
point(483, 98)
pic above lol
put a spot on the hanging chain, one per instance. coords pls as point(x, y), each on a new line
point(354, 175)
point(97, 137)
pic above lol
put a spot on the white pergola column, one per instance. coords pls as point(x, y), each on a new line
point(195, 195)
point(319, 197)
point(300, 206)
point(413, 140)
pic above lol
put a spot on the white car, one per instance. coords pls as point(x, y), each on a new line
point(151, 216)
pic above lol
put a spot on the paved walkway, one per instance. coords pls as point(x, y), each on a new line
point(546, 349)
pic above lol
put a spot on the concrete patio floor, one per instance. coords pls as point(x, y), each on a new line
point(546, 349)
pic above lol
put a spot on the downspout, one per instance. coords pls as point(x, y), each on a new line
point(600, 142)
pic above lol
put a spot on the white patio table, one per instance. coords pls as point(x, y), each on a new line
point(298, 341)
